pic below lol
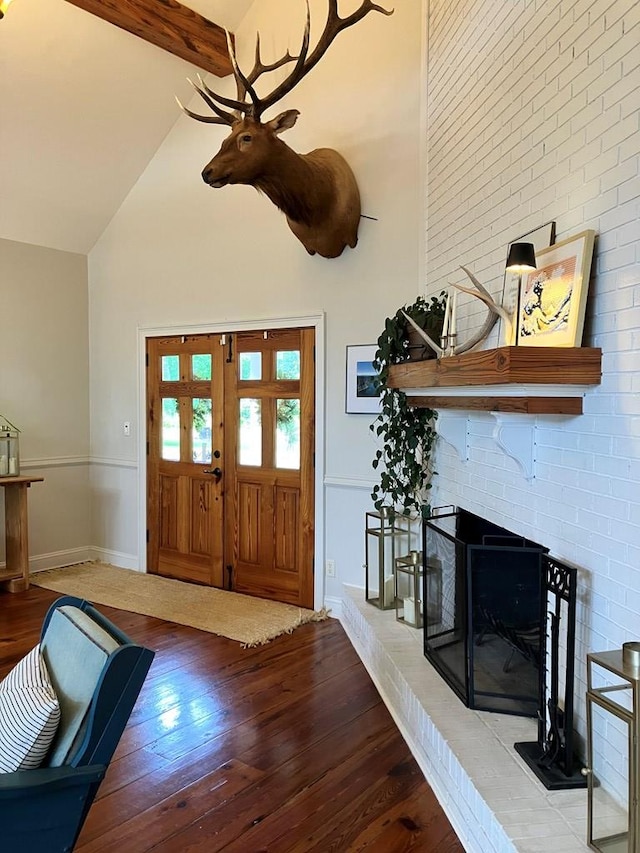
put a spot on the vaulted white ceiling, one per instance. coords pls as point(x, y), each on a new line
point(83, 108)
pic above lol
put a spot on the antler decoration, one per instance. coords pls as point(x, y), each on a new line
point(304, 62)
point(428, 340)
point(495, 311)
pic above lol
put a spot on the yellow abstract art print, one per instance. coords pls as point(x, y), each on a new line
point(553, 297)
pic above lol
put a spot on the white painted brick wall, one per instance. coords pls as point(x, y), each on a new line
point(534, 115)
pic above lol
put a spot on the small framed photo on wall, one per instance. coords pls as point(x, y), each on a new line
point(362, 392)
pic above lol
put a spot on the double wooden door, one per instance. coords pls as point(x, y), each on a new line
point(230, 461)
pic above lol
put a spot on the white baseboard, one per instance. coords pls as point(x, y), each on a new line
point(334, 606)
point(116, 558)
point(56, 559)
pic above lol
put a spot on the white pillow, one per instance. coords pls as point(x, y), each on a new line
point(29, 714)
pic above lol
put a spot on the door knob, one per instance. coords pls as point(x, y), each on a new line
point(217, 472)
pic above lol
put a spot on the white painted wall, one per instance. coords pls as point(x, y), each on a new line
point(179, 253)
point(534, 115)
point(44, 391)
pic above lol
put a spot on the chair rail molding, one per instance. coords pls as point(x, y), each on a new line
point(339, 481)
point(54, 462)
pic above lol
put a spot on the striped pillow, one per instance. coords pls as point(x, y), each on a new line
point(29, 714)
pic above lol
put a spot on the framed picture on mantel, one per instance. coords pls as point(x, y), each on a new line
point(553, 297)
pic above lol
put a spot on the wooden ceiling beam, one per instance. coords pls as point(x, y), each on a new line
point(169, 25)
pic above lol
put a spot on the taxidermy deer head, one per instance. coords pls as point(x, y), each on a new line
point(316, 191)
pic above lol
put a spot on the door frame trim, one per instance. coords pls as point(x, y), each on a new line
point(316, 321)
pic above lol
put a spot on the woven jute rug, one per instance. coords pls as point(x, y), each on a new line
point(250, 621)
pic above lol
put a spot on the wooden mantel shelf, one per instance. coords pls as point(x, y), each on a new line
point(502, 366)
point(529, 380)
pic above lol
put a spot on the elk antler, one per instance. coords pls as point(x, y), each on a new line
point(220, 117)
point(495, 311)
point(333, 26)
point(427, 338)
point(304, 62)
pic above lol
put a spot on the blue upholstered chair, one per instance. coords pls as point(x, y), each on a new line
point(97, 673)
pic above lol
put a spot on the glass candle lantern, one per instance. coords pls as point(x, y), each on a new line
point(613, 727)
point(411, 592)
point(9, 448)
point(386, 534)
point(432, 591)
point(409, 589)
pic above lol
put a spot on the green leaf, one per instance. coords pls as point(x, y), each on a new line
point(407, 434)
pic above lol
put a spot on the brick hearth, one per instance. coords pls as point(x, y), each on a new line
point(492, 799)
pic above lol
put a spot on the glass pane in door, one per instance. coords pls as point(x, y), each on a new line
point(250, 366)
point(201, 430)
point(170, 368)
point(201, 367)
point(288, 364)
point(288, 434)
point(250, 432)
point(170, 435)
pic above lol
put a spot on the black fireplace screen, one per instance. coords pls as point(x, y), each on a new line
point(487, 643)
point(502, 632)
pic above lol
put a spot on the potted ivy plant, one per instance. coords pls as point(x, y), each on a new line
point(429, 315)
point(407, 433)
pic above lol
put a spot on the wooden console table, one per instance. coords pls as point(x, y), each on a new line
point(14, 577)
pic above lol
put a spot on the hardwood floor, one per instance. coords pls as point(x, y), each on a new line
point(286, 748)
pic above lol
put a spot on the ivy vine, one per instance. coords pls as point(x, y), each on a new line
point(407, 433)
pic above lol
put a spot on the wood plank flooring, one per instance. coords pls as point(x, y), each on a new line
point(286, 748)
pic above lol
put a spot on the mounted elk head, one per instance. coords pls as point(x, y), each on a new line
point(316, 191)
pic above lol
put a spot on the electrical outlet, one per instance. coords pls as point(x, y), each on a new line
point(331, 568)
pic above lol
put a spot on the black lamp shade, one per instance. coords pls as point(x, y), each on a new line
point(522, 257)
